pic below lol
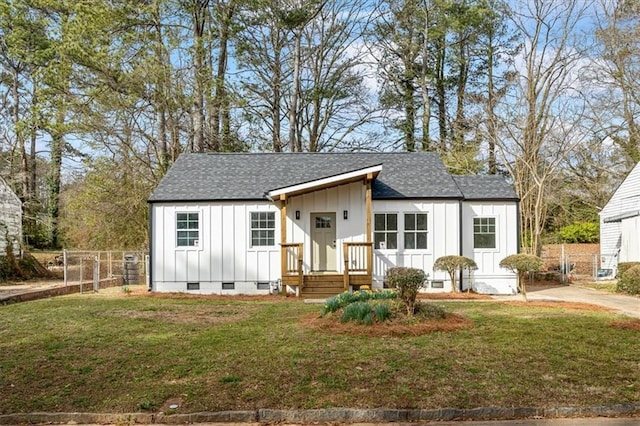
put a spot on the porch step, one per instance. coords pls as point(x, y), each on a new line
point(322, 286)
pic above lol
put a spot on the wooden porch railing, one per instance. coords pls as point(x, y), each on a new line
point(358, 262)
point(291, 262)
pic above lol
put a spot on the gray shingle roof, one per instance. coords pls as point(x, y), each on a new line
point(485, 187)
point(247, 176)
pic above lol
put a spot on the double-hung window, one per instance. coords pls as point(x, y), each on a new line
point(385, 232)
point(187, 229)
point(263, 229)
point(484, 232)
point(415, 231)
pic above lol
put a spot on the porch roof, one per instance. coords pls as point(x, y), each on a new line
point(323, 183)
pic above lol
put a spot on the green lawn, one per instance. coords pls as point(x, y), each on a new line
point(123, 354)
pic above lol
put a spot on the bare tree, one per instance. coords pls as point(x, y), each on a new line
point(543, 120)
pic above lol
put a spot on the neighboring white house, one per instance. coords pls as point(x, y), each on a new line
point(620, 225)
point(10, 218)
point(318, 223)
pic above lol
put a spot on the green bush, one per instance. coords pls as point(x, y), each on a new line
point(624, 267)
point(629, 282)
point(430, 311)
point(408, 281)
point(580, 232)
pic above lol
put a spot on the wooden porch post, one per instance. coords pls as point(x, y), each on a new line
point(283, 239)
point(369, 213)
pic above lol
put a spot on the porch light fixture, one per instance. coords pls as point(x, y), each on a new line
point(297, 214)
point(345, 214)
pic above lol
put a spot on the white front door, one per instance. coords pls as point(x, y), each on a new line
point(323, 241)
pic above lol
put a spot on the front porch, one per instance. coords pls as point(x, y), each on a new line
point(357, 271)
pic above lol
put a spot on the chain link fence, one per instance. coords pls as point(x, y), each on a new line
point(572, 262)
point(94, 266)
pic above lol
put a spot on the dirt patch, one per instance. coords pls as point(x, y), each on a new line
point(453, 296)
point(207, 315)
point(452, 322)
point(562, 305)
point(632, 324)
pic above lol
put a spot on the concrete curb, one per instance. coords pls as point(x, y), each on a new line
point(58, 291)
point(343, 415)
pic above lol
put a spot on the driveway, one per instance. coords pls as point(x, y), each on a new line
point(628, 305)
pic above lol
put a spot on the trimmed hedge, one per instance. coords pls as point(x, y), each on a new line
point(629, 282)
point(624, 267)
point(408, 281)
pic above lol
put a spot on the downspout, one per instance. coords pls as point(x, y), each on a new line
point(518, 242)
point(461, 239)
point(150, 270)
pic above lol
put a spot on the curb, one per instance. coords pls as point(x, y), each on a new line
point(343, 415)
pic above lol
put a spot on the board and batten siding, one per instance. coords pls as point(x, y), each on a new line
point(442, 239)
point(489, 277)
point(349, 198)
point(223, 254)
point(625, 199)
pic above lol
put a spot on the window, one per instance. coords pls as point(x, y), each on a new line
point(263, 229)
point(193, 286)
point(385, 233)
point(188, 233)
point(228, 286)
point(415, 231)
point(484, 232)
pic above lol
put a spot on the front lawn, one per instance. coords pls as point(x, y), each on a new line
point(122, 354)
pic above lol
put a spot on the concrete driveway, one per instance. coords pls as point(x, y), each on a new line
point(628, 305)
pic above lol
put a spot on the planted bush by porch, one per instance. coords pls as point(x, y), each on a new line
point(408, 281)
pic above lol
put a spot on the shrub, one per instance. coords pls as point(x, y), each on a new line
point(624, 267)
point(430, 311)
point(453, 264)
point(522, 264)
point(580, 232)
point(629, 282)
point(408, 281)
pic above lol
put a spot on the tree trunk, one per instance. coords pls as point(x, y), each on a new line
point(295, 143)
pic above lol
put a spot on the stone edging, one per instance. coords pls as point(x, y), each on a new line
point(345, 415)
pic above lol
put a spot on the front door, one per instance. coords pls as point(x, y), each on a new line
point(323, 241)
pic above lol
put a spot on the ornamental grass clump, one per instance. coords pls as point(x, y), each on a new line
point(365, 312)
point(338, 302)
point(408, 281)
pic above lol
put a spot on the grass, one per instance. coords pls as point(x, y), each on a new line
point(135, 353)
point(607, 286)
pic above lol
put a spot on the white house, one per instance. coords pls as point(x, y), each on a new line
point(10, 218)
point(620, 225)
point(318, 223)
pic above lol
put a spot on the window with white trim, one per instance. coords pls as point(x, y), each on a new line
point(187, 229)
point(415, 231)
point(263, 229)
point(484, 232)
point(385, 230)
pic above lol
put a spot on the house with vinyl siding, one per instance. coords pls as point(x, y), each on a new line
point(320, 223)
point(620, 225)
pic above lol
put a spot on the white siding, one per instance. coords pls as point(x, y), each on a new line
point(350, 197)
point(630, 242)
point(224, 252)
point(489, 277)
point(442, 238)
point(626, 198)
